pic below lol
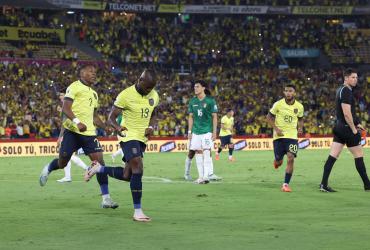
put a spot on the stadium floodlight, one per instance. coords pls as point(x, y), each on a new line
point(70, 12)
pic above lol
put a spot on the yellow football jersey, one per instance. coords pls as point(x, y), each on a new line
point(228, 124)
point(85, 101)
point(137, 111)
point(286, 118)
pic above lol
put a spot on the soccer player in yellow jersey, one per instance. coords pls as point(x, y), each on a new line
point(136, 104)
point(286, 118)
point(226, 131)
point(80, 108)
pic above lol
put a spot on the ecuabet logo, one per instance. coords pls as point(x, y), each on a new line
point(304, 144)
point(168, 147)
point(239, 145)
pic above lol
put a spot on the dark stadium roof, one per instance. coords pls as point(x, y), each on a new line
point(28, 3)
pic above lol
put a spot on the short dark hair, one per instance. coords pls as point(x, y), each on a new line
point(229, 110)
point(289, 85)
point(348, 72)
point(84, 66)
point(152, 73)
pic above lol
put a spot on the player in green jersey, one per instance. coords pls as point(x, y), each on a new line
point(202, 125)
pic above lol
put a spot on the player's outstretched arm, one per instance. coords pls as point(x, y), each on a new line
point(67, 110)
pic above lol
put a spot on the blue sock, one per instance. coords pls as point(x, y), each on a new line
point(103, 182)
point(114, 172)
point(136, 189)
point(53, 165)
point(287, 177)
point(231, 151)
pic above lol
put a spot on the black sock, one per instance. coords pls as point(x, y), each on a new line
point(231, 151)
point(115, 172)
point(361, 169)
point(327, 169)
point(288, 176)
point(53, 165)
point(219, 150)
point(136, 189)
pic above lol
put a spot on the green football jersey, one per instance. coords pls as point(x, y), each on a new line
point(202, 114)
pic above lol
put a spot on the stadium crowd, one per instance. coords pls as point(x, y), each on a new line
point(236, 40)
point(30, 107)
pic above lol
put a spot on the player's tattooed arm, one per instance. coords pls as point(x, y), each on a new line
point(60, 137)
point(153, 120)
point(67, 110)
point(271, 120)
point(112, 120)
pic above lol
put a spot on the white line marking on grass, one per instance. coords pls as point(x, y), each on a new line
point(156, 179)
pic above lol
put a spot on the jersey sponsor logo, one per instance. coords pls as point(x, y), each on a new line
point(204, 105)
point(195, 105)
point(239, 145)
point(168, 147)
point(304, 144)
point(151, 101)
point(295, 111)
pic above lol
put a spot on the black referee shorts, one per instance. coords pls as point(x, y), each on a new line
point(344, 135)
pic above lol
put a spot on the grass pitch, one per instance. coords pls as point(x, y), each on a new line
point(246, 210)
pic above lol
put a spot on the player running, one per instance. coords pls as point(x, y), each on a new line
point(136, 104)
point(346, 132)
point(226, 131)
point(80, 108)
point(284, 116)
point(74, 158)
point(202, 125)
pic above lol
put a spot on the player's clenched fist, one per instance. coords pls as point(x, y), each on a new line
point(81, 127)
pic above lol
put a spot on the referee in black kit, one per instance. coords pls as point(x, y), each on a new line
point(346, 131)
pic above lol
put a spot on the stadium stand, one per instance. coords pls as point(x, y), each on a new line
point(238, 55)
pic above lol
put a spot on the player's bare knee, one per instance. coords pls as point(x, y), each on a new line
point(231, 145)
point(62, 162)
point(198, 151)
point(290, 158)
point(136, 165)
point(191, 154)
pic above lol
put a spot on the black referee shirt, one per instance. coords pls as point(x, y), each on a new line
point(345, 95)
